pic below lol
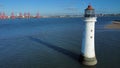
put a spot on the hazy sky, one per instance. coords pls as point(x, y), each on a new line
point(58, 7)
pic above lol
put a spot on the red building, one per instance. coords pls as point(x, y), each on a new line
point(12, 16)
point(37, 15)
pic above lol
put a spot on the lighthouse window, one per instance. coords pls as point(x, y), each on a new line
point(91, 37)
point(91, 30)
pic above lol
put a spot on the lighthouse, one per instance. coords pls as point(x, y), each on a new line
point(88, 42)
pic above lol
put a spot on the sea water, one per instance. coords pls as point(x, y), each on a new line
point(55, 43)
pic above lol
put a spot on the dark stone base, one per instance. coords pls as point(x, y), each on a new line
point(88, 61)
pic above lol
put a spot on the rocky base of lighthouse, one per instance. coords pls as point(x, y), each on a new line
point(88, 61)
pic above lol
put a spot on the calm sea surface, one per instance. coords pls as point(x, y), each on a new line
point(55, 43)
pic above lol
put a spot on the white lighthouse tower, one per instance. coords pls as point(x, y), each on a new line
point(88, 43)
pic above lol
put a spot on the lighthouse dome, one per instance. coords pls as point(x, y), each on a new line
point(89, 11)
point(89, 7)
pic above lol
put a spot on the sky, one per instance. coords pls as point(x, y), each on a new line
point(58, 7)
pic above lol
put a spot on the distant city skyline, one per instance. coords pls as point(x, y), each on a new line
point(58, 7)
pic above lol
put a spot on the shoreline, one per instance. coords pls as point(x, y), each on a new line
point(114, 25)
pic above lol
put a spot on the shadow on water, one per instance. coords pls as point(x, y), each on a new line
point(58, 49)
point(72, 55)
